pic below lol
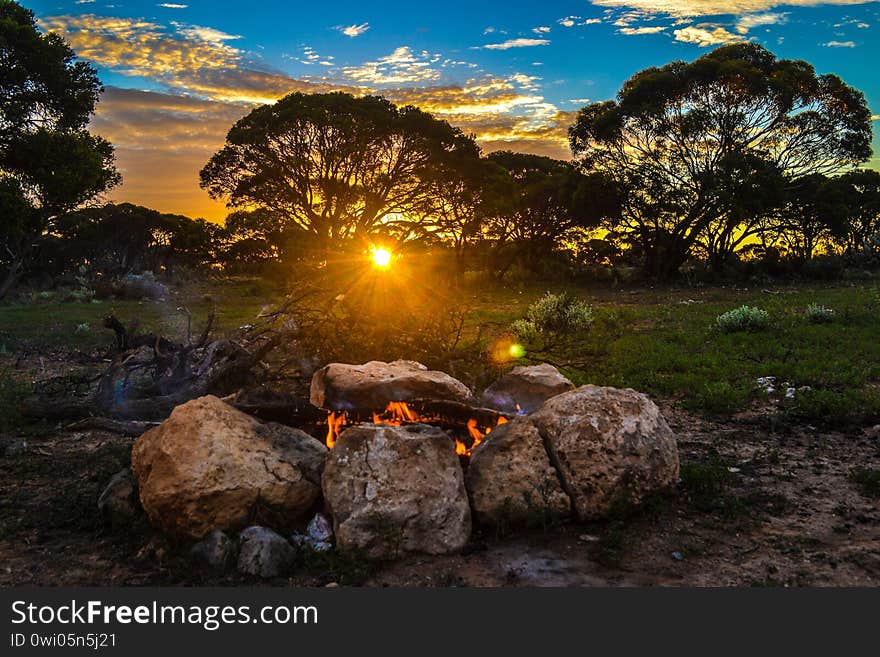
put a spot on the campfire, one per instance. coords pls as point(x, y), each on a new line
point(468, 426)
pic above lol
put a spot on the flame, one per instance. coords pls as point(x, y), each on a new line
point(399, 413)
point(335, 422)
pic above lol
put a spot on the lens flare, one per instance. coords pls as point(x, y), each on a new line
point(381, 257)
point(517, 351)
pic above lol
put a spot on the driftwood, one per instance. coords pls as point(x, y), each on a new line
point(132, 428)
point(149, 375)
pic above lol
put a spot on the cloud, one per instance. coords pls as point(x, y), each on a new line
point(170, 5)
point(569, 21)
point(839, 44)
point(543, 29)
point(646, 29)
point(403, 66)
point(354, 30)
point(749, 21)
point(206, 34)
point(513, 43)
point(705, 35)
point(715, 7)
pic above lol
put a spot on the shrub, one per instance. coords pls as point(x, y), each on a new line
point(819, 314)
point(867, 481)
point(553, 315)
point(744, 318)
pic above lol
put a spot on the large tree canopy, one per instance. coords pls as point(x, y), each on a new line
point(49, 162)
point(333, 165)
point(683, 138)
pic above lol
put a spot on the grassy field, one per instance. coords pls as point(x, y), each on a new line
point(663, 342)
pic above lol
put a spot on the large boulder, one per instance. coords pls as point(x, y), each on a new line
point(264, 553)
point(209, 466)
point(524, 389)
point(510, 479)
point(397, 489)
point(610, 447)
point(371, 386)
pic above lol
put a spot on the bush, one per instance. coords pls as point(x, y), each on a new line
point(744, 318)
point(11, 395)
point(819, 314)
point(553, 315)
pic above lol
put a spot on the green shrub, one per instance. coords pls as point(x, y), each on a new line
point(819, 314)
point(744, 318)
point(553, 314)
point(867, 481)
point(717, 398)
point(833, 408)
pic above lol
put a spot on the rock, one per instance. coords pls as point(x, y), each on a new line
point(397, 489)
point(372, 385)
point(141, 286)
point(510, 478)
point(610, 446)
point(216, 550)
point(319, 535)
point(118, 502)
point(528, 387)
point(320, 528)
point(264, 553)
point(209, 466)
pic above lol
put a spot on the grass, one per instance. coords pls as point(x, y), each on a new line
point(662, 342)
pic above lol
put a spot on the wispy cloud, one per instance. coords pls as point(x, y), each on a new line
point(513, 43)
point(706, 35)
point(171, 5)
point(542, 29)
point(750, 21)
point(403, 66)
point(840, 44)
point(715, 7)
point(353, 30)
point(645, 29)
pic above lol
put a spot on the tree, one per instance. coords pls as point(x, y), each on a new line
point(331, 164)
point(49, 162)
point(815, 212)
point(468, 190)
point(861, 195)
point(550, 199)
point(679, 136)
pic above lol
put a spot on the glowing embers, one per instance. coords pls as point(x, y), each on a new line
point(472, 432)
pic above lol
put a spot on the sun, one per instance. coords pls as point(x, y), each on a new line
point(381, 257)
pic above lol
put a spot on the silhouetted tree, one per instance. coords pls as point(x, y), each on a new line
point(815, 212)
point(861, 195)
point(679, 135)
point(333, 165)
point(550, 199)
point(49, 162)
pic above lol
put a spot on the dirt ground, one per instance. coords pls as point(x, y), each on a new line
point(759, 504)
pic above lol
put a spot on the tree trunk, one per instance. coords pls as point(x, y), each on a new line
point(11, 278)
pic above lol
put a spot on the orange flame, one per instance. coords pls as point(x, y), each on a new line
point(398, 413)
point(335, 422)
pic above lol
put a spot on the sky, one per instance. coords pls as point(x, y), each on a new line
point(177, 75)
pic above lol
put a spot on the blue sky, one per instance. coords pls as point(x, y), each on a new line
point(178, 74)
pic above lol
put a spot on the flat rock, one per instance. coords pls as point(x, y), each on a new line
point(510, 479)
point(339, 386)
point(264, 553)
point(209, 466)
point(525, 388)
point(393, 490)
point(610, 447)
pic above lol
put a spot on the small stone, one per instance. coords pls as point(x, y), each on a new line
point(320, 529)
point(118, 502)
point(216, 550)
point(677, 556)
point(264, 553)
